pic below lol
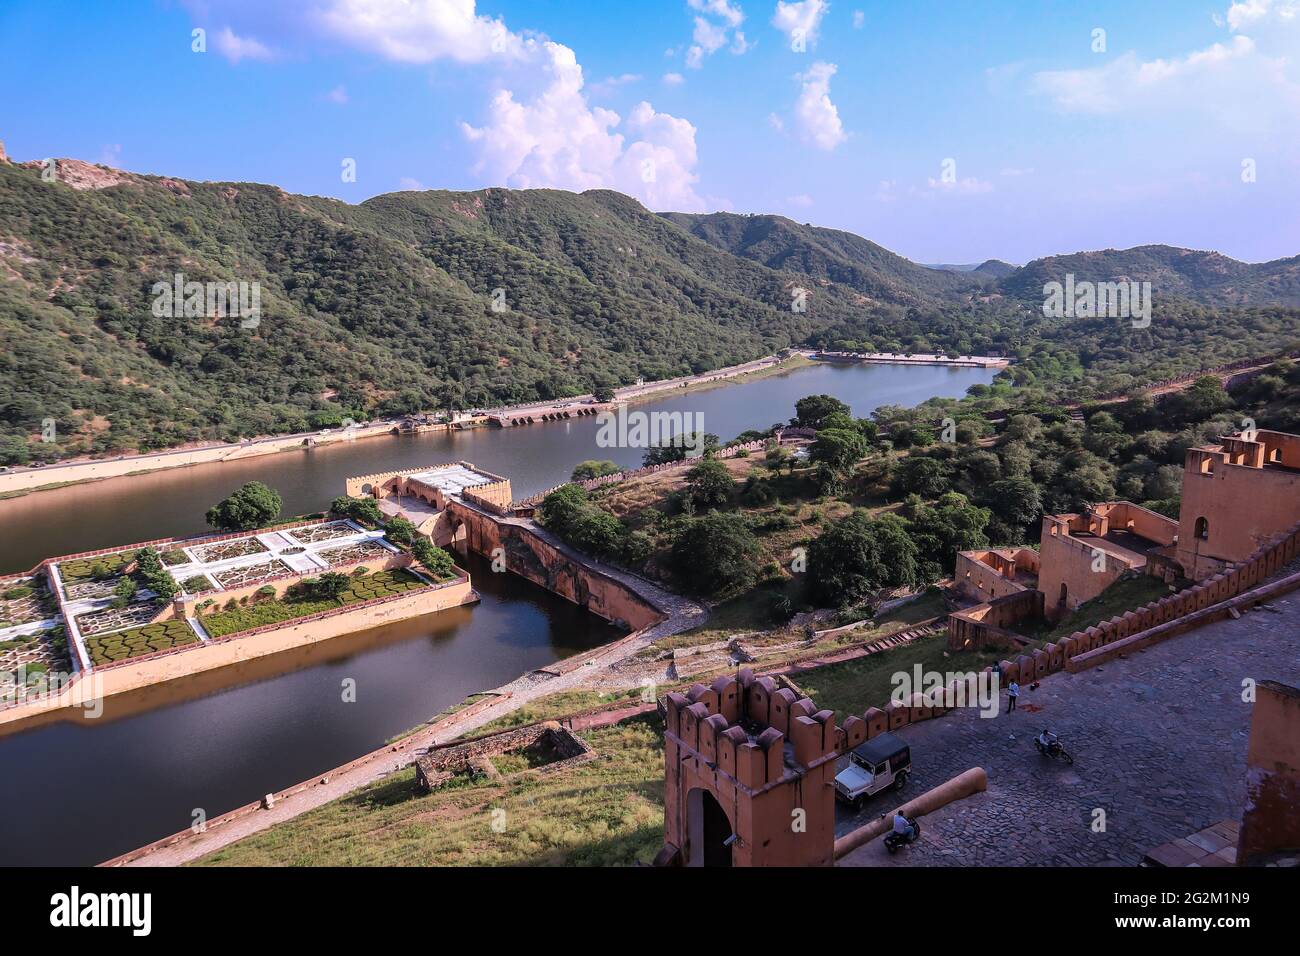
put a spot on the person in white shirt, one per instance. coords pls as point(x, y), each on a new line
point(1013, 694)
point(902, 826)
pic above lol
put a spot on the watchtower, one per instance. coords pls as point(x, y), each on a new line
point(749, 775)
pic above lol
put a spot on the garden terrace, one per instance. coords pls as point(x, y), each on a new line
point(351, 553)
point(225, 550)
point(150, 639)
point(322, 532)
point(273, 554)
point(115, 619)
point(260, 613)
point(36, 652)
point(25, 601)
point(252, 574)
point(98, 568)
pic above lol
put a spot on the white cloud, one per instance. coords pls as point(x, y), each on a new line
point(1127, 82)
point(1243, 82)
point(800, 21)
point(801, 201)
point(235, 48)
point(1246, 12)
point(549, 135)
point(420, 31)
point(733, 15)
point(611, 83)
point(859, 19)
point(673, 79)
point(110, 155)
point(714, 29)
point(557, 139)
point(960, 187)
point(817, 118)
point(338, 95)
point(407, 183)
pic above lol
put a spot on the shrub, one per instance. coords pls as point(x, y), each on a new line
point(14, 594)
point(399, 531)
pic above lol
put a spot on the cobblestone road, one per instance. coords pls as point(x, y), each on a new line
point(1159, 740)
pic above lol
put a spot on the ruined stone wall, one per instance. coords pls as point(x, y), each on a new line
point(984, 575)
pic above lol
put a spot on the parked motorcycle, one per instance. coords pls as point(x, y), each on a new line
point(1049, 745)
point(895, 840)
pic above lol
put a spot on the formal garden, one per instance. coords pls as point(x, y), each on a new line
point(32, 657)
point(307, 597)
point(25, 601)
point(135, 642)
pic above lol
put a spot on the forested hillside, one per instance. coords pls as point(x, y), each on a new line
point(387, 306)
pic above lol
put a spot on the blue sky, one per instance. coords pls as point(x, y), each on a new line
point(1178, 124)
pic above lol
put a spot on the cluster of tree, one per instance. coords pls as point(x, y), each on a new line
point(253, 505)
point(591, 468)
point(364, 509)
point(577, 520)
point(436, 561)
point(149, 574)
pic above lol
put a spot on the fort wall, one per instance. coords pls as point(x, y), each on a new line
point(1234, 496)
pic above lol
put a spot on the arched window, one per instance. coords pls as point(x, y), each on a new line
point(1064, 592)
point(1202, 529)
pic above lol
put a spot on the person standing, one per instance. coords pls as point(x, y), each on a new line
point(1013, 694)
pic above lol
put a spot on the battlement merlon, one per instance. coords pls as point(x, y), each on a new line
point(741, 726)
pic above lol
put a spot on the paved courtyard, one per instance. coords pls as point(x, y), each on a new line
point(1159, 741)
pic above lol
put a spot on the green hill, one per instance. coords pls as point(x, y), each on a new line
point(388, 306)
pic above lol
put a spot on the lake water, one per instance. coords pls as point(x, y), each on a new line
point(80, 792)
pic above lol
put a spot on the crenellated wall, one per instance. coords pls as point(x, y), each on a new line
point(726, 746)
point(1235, 495)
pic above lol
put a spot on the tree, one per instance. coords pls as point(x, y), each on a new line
point(940, 530)
point(811, 410)
point(593, 469)
point(14, 450)
point(716, 554)
point(1016, 501)
point(679, 447)
point(775, 456)
point(399, 531)
point(329, 586)
point(859, 555)
point(436, 561)
point(922, 475)
point(710, 484)
point(365, 509)
point(838, 449)
point(254, 505)
point(604, 393)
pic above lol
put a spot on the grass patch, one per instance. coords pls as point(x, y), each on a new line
point(553, 706)
point(1124, 595)
point(262, 613)
point(122, 645)
point(850, 688)
point(603, 812)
